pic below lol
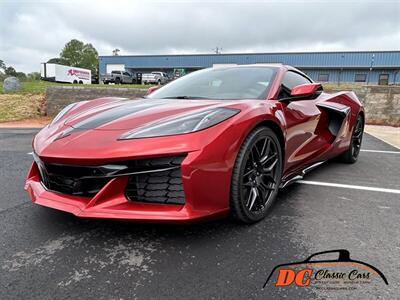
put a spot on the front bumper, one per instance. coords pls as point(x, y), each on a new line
point(111, 202)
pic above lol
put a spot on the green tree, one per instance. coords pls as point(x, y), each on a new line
point(10, 71)
point(34, 76)
point(77, 54)
point(21, 75)
point(57, 60)
point(2, 65)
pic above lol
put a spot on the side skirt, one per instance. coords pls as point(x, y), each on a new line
point(300, 175)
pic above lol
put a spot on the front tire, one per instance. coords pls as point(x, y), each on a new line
point(256, 176)
point(351, 155)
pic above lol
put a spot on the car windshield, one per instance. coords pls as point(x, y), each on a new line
point(220, 83)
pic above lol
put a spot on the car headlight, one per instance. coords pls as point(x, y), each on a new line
point(62, 113)
point(186, 124)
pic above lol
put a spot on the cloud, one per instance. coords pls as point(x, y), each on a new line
point(34, 31)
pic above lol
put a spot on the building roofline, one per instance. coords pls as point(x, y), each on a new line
point(258, 53)
point(374, 67)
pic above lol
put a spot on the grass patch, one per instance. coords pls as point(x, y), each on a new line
point(14, 107)
point(39, 86)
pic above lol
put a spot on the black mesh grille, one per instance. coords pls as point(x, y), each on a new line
point(158, 187)
point(68, 180)
point(157, 180)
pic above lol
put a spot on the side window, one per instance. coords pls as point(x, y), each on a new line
point(292, 79)
point(126, 74)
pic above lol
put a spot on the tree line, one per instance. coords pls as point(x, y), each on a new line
point(75, 54)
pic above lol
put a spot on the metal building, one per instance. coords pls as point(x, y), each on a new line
point(376, 67)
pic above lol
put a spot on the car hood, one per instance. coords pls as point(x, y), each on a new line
point(89, 132)
point(122, 114)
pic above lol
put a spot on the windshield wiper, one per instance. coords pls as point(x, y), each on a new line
point(184, 97)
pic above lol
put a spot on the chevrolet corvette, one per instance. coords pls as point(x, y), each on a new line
point(216, 142)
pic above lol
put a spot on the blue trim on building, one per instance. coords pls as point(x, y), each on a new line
point(339, 65)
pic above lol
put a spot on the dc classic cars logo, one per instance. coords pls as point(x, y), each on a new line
point(327, 274)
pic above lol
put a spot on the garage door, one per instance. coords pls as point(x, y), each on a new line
point(114, 67)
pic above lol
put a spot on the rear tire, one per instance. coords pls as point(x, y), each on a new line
point(256, 176)
point(351, 154)
point(75, 82)
point(118, 80)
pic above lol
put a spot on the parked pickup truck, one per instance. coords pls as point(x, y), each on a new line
point(119, 77)
point(155, 78)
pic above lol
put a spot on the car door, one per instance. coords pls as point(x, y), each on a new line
point(127, 77)
point(302, 117)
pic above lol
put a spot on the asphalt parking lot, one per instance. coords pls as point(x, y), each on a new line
point(49, 254)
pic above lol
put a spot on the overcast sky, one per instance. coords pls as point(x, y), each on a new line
point(32, 32)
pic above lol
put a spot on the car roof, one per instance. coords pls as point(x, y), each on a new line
point(266, 65)
point(249, 65)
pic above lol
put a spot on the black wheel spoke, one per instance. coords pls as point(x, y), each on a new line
point(253, 161)
point(265, 151)
point(266, 161)
point(266, 142)
point(249, 173)
point(257, 151)
point(248, 183)
point(264, 189)
point(252, 198)
point(271, 167)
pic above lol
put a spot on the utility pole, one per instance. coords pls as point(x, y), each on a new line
point(341, 70)
point(217, 50)
point(370, 68)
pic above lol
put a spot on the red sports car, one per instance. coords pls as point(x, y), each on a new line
point(215, 142)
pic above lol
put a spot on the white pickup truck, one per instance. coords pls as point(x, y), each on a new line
point(155, 78)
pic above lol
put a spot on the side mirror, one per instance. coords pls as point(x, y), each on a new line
point(305, 90)
point(151, 90)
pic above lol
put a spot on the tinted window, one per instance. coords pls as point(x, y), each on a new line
point(292, 79)
point(360, 78)
point(323, 77)
point(126, 74)
point(221, 83)
point(115, 72)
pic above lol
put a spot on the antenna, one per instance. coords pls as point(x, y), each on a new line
point(217, 50)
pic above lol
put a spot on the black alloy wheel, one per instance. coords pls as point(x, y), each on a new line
point(256, 176)
point(351, 155)
point(357, 138)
